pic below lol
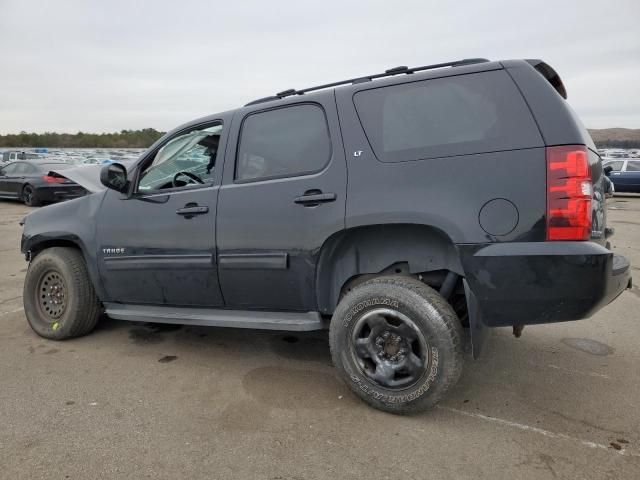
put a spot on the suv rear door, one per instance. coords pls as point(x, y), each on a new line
point(283, 195)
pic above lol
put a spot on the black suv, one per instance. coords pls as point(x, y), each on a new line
point(395, 209)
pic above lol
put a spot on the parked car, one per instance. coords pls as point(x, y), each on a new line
point(31, 182)
point(625, 175)
point(394, 209)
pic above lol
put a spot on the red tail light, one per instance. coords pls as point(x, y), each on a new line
point(569, 192)
point(52, 179)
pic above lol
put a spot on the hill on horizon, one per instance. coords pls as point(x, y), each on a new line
point(616, 137)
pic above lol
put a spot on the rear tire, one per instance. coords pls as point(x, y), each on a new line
point(397, 344)
point(59, 299)
point(29, 197)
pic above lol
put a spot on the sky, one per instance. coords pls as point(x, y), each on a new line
point(108, 65)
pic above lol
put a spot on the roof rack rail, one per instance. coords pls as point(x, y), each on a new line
point(387, 73)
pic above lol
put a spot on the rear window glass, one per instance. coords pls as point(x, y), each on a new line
point(458, 115)
point(54, 166)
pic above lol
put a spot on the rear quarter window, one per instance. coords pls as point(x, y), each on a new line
point(459, 115)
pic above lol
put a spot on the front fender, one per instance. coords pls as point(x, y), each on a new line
point(70, 223)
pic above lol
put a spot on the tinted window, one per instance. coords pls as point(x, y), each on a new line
point(633, 166)
point(459, 115)
point(284, 142)
point(22, 168)
point(616, 166)
point(26, 168)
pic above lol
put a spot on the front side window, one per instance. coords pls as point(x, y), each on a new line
point(284, 142)
point(633, 166)
point(185, 161)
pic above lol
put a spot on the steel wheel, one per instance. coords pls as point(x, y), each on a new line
point(389, 348)
point(52, 296)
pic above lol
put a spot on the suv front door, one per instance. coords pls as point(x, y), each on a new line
point(157, 244)
point(283, 195)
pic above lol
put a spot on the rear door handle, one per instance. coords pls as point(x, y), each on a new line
point(190, 210)
point(316, 198)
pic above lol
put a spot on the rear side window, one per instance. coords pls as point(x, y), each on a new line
point(23, 168)
point(633, 166)
point(476, 113)
point(284, 142)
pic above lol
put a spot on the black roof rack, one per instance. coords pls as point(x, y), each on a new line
point(387, 73)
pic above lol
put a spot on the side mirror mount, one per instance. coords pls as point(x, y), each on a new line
point(607, 170)
point(114, 176)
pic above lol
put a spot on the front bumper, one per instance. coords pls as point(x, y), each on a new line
point(542, 282)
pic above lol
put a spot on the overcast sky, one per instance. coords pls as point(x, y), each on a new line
point(107, 65)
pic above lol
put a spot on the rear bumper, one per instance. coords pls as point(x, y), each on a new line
point(542, 282)
point(59, 192)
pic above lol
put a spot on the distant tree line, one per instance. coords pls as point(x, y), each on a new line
point(123, 139)
point(145, 137)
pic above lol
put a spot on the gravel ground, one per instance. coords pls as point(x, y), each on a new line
point(137, 400)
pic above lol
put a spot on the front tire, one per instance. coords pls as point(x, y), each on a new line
point(59, 299)
point(397, 344)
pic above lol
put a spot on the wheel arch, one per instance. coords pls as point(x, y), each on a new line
point(373, 248)
point(39, 243)
point(23, 186)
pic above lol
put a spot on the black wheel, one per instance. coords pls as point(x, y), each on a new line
point(59, 299)
point(397, 343)
point(29, 196)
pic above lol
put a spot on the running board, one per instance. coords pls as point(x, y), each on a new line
point(217, 317)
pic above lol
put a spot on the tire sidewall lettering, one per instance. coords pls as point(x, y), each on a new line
point(401, 398)
point(388, 302)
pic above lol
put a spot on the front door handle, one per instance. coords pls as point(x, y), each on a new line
point(312, 198)
point(192, 209)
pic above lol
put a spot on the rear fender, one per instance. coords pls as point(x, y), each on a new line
point(372, 249)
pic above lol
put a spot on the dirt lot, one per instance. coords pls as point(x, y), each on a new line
point(136, 401)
